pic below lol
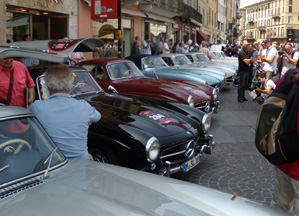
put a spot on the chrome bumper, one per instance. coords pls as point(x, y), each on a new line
point(216, 107)
point(168, 169)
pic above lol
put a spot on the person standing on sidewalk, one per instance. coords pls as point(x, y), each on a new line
point(245, 62)
point(147, 46)
point(270, 60)
point(166, 49)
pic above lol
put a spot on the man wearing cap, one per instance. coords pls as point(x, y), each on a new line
point(270, 59)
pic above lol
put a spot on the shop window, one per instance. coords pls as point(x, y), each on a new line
point(40, 25)
point(17, 25)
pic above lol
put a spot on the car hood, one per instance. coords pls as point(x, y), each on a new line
point(85, 187)
point(161, 86)
point(158, 122)
point(205, 68)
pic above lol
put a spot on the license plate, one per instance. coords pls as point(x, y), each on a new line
point(190, 164)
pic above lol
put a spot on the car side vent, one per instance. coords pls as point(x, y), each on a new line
point(19, 187)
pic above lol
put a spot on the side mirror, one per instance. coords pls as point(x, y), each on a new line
point(111, 90)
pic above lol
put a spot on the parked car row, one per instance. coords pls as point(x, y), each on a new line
point(143, 132)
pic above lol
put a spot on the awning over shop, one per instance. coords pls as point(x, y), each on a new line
point(133, 12)
point(201, 36)
point(220, 37)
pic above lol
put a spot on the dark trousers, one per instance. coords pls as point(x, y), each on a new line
point(243, 84)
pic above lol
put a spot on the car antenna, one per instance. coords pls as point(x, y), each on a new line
point(49, 158)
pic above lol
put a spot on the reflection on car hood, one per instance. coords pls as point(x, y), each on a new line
point(85, 187)
point(159, 122)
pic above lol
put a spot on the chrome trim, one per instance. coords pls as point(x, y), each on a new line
point(17, 116)
point(174, 154)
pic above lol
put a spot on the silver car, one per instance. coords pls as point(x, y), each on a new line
point(36, 179)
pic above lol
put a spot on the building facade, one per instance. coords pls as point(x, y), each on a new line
point(275, 19)
point(42, 20)
point(221, 22)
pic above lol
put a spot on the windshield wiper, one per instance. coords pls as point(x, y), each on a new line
point(3, 168)
point(49, 158)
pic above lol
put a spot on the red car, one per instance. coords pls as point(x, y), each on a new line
point(121, 75)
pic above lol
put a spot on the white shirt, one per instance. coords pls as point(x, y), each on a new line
point(271, 51)
point(269, 83)
point(166, 48)
point(286, 64)
point(146, 50)
point(186, 48)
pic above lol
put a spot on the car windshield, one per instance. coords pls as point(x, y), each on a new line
point(122, 70)
point(153, 62)
point(24, 148)
point(83, 83)
point(200, 57)
point(181, 60)
point(213, 56)
point(217, 54)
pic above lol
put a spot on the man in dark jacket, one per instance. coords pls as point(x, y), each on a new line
point(245, 62)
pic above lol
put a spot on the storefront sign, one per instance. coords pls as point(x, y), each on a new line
point(103, 9)
point(47, 3)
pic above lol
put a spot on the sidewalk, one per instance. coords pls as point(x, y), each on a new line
point(235, 166)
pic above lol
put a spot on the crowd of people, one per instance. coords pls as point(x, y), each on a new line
point(265, 60)
point(168, 46)
point(268, 62)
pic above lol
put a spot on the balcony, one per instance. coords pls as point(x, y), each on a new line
point(251, 21)
point(276, 15)
point(189, 12)
point(170, 5)
point(262, 28)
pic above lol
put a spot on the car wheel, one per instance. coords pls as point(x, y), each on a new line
point(104, 156)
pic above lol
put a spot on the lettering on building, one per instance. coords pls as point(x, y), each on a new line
point(47, 3)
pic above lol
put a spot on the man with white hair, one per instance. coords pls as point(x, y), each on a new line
point(66, 119)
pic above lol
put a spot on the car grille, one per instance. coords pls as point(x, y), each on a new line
point(204, 106)
point(179, 153)
point(19, 187)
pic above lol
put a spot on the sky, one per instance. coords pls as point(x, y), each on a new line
point(244, 3)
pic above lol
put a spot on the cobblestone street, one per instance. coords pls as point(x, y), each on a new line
point(235, 165)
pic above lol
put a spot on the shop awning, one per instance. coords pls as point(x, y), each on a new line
point(160, 18)
point(220, 37)
point(108, 36)
point(133, 12)
point(201, 36)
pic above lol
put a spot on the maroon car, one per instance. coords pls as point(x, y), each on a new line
point(121, 75)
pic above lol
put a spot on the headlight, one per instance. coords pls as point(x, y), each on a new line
point(191, 101)
point(215, 94)
point(152, 149)
point(206, 122)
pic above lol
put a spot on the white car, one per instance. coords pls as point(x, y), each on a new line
point(36, 179)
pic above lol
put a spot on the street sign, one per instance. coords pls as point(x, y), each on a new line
point(103, 9)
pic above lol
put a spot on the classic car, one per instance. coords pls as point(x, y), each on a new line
point(121, 75)
point(201, 59)
point(177, 60)
point(166, 138)
point(155, 66)
point(36, 179)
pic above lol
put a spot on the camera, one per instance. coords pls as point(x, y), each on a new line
point(252, 87)
point(281, 52)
